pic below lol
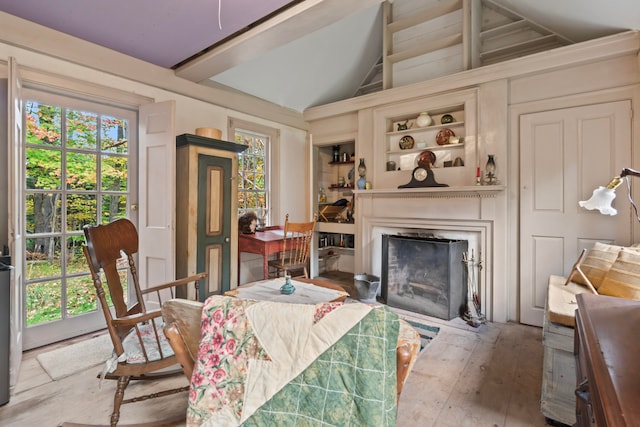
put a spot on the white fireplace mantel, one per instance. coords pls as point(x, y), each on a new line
point(446, 192)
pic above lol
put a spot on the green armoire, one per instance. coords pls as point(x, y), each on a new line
point(206, 212)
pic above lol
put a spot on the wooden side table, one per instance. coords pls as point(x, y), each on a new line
point(607, 351)
point(265, 243)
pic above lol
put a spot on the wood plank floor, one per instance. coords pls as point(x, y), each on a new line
point(488, 376)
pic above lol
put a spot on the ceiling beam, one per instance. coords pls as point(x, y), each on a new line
point(293, 23)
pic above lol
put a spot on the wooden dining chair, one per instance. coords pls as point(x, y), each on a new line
point(140, 348)
point(296, 248)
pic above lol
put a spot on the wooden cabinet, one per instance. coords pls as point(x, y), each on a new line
point(607, 363)
point(206, 211)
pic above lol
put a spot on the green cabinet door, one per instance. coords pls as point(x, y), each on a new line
point(214, 223)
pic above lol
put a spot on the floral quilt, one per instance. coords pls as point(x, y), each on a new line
point(273, 363)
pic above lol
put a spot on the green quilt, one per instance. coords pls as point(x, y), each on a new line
point(353, 383)
point(280, 364)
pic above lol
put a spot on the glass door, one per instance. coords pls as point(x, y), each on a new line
point(77, 159)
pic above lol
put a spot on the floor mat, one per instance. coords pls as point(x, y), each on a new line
point(73, 358)
point(427, 332)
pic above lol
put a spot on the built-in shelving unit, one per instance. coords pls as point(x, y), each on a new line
point(424, 138)
point(456, 159)
point(334, 238)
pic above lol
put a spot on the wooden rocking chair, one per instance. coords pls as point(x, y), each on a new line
point(140, 347)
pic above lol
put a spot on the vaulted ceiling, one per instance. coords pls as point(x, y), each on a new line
point(296, 54)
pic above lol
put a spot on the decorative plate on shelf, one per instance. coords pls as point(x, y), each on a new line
point(442, 138)
point(447, 118)
point(426, 159)
point(406, 142)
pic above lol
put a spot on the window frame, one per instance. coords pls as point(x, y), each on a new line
point(272, 145)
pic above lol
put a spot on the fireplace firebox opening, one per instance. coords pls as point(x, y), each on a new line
point(424, 275)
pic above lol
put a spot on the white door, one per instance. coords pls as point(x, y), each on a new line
point(564, 155)
point(14, 197)
point(157, 203)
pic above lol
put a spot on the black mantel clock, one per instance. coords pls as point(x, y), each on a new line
point(422, 176)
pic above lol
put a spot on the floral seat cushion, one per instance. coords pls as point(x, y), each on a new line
point(133, 349)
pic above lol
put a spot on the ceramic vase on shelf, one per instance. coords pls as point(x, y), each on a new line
point(424, 119)
point(336, 153)
point(362, 172)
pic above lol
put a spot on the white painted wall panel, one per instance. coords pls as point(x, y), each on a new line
point(548, 147)
point(429, 66)
point(548, 257)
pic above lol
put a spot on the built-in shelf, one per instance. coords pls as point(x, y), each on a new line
point(336, 227)
point(465, 191)
point(334, 249)
point(426, 128)
point(427, 147)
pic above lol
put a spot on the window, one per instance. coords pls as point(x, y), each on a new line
point(253, 167)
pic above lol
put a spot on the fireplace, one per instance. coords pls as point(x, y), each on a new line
point(424, 275)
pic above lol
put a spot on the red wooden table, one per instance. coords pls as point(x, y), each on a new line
point(263, 243)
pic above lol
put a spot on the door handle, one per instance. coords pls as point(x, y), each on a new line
point(227, 239)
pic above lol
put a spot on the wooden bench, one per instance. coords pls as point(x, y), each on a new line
point(558, 401)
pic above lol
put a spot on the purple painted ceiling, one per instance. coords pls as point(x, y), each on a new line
point(141, 25)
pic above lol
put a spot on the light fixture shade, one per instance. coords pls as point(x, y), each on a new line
point(601, 199)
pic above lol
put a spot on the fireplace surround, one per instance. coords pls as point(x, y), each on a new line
point(473, 214)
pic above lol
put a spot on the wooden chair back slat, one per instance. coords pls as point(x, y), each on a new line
point(296, 246)
point(106, 244)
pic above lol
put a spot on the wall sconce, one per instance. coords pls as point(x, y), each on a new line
point(602, 197)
